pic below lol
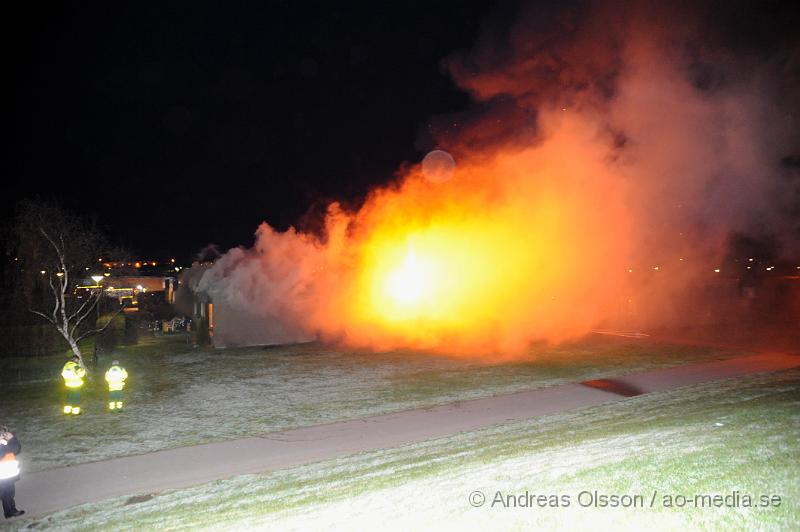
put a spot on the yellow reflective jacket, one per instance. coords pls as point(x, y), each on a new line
point(115, 377)
point(73, 374)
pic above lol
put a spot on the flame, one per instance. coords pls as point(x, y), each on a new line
point(594, 163)
point(411, 284)
point(523, 247)
point(526, 245)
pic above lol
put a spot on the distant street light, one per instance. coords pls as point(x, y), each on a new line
point(97, 278)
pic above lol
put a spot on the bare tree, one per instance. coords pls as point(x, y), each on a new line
point(54, 251)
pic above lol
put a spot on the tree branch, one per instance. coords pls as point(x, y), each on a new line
point(61, 293)
point(92, 299)
point(65, 279)
point(55, 296)
point(42, 314)
point(52, 242)
point(95, 301)
point(98, 331)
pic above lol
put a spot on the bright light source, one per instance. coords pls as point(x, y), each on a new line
point(751, 260)
point(43, 272)
point(139, 287)
point(409, 281)
point(656, 268)
point(716, 270)
point(97, 278)
point(60, 274)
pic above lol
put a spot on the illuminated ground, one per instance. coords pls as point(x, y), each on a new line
point(178, 396)
point(740, 435)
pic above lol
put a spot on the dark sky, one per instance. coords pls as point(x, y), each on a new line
point(184, 123)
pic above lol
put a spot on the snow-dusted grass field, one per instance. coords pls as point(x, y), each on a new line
point(725, 438)
point(179, 396)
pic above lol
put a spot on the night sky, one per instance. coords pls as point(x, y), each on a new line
point(180, 124)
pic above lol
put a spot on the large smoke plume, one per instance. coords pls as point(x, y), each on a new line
point(607, 140)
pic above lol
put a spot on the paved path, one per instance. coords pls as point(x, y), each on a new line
point(46, 491)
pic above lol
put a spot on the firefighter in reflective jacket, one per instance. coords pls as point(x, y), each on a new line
point(73, 375)
point(9, 471)
point(115, 377)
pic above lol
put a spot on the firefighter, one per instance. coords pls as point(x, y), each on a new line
point(9, 472)
point(115, 377)
point(73, 375)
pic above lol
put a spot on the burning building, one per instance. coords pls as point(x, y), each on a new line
point(604, 141)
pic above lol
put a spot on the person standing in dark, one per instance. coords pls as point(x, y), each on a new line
point(9, 471)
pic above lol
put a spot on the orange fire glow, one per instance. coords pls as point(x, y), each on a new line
point(525, 246)
point(597, 185)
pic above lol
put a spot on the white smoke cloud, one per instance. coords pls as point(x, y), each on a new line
point(694, 138)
